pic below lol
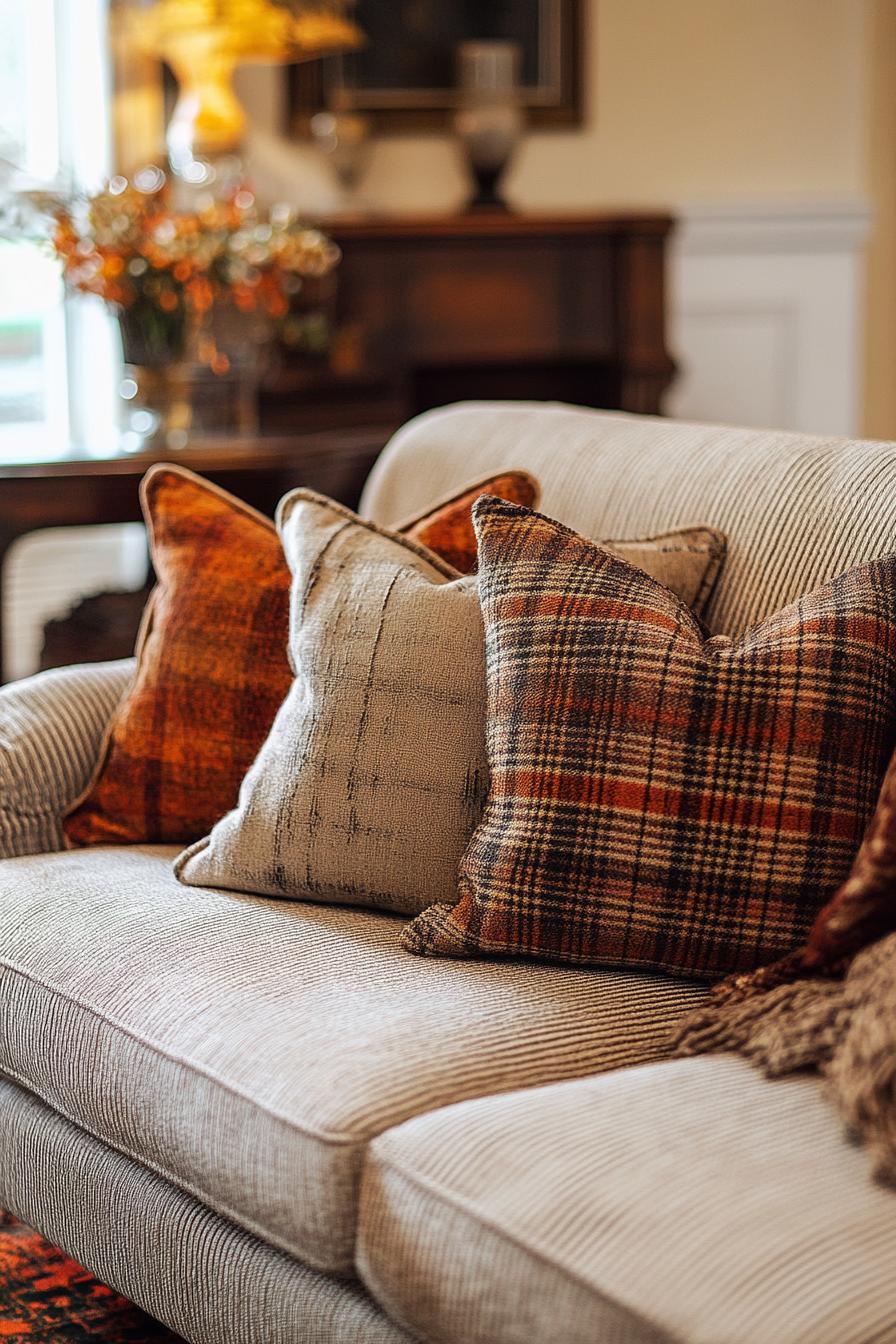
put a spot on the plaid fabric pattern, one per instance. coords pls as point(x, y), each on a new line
point(658, 799)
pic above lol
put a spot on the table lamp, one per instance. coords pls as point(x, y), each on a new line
point(203, 41)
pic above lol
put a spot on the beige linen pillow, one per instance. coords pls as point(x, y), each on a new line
point(375, 772)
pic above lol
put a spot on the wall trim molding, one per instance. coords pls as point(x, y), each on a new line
point(766, 313)
point(766, 226)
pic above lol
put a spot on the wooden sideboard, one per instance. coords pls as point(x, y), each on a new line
point(432, 310)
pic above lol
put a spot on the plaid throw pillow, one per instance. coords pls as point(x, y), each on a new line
point(659, 799)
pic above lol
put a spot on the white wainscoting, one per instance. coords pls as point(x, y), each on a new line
point(766, 312)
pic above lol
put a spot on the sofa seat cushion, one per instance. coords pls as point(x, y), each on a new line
point(689, 1200)
point(249, 1049)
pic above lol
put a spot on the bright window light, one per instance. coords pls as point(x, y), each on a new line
point(59, 361)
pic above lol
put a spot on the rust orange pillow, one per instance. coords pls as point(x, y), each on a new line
point(212, 664)
point(448, 528)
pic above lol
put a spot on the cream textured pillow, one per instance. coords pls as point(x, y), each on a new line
point(375, 772)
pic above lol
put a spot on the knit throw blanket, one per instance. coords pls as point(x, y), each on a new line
point(843, 1028)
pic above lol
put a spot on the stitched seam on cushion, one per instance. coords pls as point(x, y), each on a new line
point(159, 469)
point(105, 744)
point(287, 504)
point(324, 1136)
point(207, 1200)
point(461, 1205)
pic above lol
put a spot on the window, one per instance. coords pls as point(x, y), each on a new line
point(57, 359)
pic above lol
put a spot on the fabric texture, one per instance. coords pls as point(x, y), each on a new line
point(51, 730)
point(247, 1050)
point(447, 527)
point(797, 509)
point(45, 1295)
point(657, 799)
point(846, 1030)
point(374, 773)
point(212, 669)
point(861, 910)
point(213, 666)
point(687, 1201)
point(205, 1277)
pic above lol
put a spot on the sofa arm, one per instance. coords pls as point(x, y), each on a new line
point(51, 730)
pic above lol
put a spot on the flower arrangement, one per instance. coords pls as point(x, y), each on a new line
point(173, 274)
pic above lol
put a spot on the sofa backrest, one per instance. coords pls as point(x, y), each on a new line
point(797, 509)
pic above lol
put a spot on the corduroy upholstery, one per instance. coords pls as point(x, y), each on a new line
point(248, 1050)
point(797, 510)
point(688, 1201)
point(197, 1272)
point(51, 729)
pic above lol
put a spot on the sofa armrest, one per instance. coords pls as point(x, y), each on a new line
point(51, 730)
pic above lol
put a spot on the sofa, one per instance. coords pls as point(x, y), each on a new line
point(265, 1123)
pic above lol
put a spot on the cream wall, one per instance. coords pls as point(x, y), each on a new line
point(706, 100)
point(686, 98)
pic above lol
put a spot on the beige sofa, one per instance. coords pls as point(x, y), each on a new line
point(267, 1124)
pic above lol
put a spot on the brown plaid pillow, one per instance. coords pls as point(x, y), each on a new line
point(659, 799)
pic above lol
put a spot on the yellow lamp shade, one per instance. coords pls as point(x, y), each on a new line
point(204, 40)
point(246, 29)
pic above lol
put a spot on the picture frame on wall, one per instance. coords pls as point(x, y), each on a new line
point(410, 84)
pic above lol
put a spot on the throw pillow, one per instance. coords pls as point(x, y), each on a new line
point(374, 774)
point(659, 799)
point(212, 662)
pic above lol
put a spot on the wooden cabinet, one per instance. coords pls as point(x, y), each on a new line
point(490, 305)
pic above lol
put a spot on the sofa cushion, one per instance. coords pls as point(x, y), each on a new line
point(692, 1200)
point(207, 1279)
point(249, 1049)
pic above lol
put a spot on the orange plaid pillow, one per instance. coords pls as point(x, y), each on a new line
point(448, 528)
point(212, 665)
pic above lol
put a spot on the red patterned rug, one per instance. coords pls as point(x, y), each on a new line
point(45, 1298)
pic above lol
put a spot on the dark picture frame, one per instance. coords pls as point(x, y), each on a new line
point(404, 79)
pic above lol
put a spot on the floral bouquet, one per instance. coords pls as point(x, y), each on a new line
point(179, 278)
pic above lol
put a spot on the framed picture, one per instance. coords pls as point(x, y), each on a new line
point(405, 77)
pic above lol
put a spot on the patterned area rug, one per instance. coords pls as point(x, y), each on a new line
point(45, 1298)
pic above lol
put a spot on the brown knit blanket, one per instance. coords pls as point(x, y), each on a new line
point(843, 1028)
